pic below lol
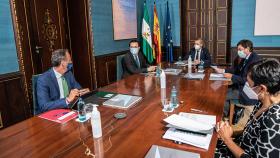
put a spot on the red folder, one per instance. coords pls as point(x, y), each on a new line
point(59, 115)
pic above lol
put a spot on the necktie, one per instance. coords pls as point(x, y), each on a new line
point(137, 60)
point(65, 87)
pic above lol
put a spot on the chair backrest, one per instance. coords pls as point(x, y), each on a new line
point(119, 67)
point(34, 94)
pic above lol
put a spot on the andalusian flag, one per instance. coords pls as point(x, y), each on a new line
point(146, 36)
point(157, 41)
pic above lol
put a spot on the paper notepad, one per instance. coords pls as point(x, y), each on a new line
point(122, 101)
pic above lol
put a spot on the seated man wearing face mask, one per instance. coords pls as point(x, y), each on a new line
point(57, 87)
point(238, 74)
point(199, 54)
point(134, 61)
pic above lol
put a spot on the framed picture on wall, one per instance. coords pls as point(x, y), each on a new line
point(124, 19)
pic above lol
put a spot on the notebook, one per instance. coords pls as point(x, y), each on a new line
point(59, 115)
point(171, 71)
point(164, 152)
point(122, 101)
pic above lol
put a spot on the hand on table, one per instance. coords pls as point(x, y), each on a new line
point(73, 95)
point(228, 75)
point(151, 68)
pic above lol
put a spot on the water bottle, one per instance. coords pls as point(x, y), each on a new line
point(173, 98)
point(201, 66)
point(190, 65)
point(157, 71)
point(96, 123)
point(81, 110)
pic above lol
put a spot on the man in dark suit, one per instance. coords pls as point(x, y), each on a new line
point(199, 54)
point(57, 87)
point(134, 62)
point(238, 73)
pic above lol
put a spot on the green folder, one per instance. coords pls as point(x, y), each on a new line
point(105, 95)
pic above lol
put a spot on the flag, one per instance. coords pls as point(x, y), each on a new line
point(168, 37)
point(157, 41)
point(147, 36)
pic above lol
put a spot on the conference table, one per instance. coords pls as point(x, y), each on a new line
point(131, 137)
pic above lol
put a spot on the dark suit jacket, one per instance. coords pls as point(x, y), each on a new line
point(204, 56)
point(130, 66)
point(48, 95)
point(239, 77)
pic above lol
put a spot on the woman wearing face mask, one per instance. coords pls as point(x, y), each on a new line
point(199, 54)
point(261, 135)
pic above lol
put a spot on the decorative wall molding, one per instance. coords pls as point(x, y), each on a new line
point(49, 30)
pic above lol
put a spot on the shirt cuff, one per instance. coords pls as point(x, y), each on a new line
point(224, 71)
point(67, 103)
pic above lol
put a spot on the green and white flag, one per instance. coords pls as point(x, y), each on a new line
point(147, 36)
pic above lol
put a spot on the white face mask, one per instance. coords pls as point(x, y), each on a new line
point(197, 47)
point(251, 94)
point(134, 51)
point(241, 54)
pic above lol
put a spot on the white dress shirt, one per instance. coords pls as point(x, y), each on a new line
point(59, 81)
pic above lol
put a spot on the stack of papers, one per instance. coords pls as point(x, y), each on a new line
point(182, 63)
point(171, 71)
point(193, 129)
point(163, 152)
point(218, 77)
point(195, 76)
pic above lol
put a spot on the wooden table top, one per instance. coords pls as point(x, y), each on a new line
point(130, 137)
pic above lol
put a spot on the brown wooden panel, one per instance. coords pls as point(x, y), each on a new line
point(80, 42)
point(221, 4)
point(221, 33)
point(222, 17)
point(106, 68)
point(13, 105)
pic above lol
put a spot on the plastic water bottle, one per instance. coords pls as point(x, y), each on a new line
point(173, 98)
point(201, 66)
point(96, 123)
point(190, 65)
point(157, 71)
point(81, 110)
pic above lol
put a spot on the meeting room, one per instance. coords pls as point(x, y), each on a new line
point(140, 78)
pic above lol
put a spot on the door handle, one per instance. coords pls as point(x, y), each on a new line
point(37, 49)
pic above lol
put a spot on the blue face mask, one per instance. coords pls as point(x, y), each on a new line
point(69, 67)
point(134, 51)
point(241, 54)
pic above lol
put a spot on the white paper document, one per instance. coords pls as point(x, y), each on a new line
point(171, 71)
point(195, 76)
point(218, 77)
point(182, 125)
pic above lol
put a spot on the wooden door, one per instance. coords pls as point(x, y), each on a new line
point(209, 20)
point(49, 31)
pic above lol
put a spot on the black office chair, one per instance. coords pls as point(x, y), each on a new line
point(34, 94)
point(120, 67)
